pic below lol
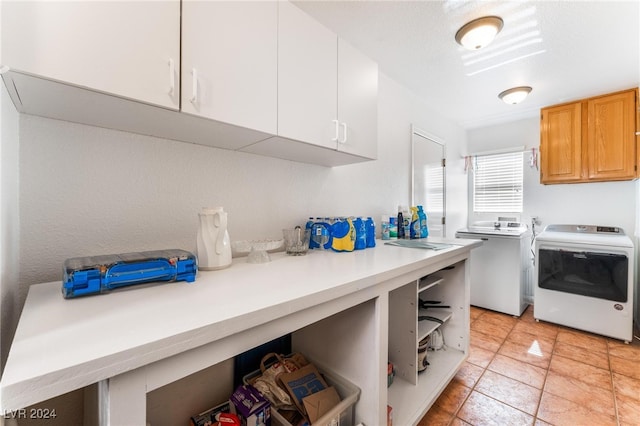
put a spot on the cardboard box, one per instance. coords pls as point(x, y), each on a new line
point(251, 406)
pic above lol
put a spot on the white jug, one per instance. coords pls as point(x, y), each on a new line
point(213, 245)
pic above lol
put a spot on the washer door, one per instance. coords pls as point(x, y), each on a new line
point(587, 273)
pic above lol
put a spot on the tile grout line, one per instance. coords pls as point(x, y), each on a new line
point(613, 386)
point(556, 342)
point(535, 416)
point(546, 376)
point(484, 370)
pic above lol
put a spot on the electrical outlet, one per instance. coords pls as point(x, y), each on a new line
point(536, 220)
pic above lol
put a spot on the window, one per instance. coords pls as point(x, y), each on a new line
point(497, 183)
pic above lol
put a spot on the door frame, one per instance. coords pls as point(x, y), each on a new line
point(416, 132)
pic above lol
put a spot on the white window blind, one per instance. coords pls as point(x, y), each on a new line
point(497, 183)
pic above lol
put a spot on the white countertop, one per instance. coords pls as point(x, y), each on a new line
point(61, 345)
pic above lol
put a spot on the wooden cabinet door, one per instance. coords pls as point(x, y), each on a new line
point(307, 79)
point(127, 48)
point(229, 62)
point(611, 139)
point(561, 144)
point(357, 102)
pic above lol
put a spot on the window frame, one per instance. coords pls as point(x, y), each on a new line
point(498, 183)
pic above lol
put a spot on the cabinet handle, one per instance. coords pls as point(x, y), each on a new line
point(172, 78)
point(337, 137)
point(344, 130)
point(194, 86)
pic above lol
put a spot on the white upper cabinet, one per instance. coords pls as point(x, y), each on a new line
point(327, 96)
point(258, 76)
point(130, 49)
point(307, 79)
point(357, 102)
point(229, 62)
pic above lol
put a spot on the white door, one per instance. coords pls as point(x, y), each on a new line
point(357, 102)
point(130, 49)
point(229, 62)
point(428, 179)
point(307, 78)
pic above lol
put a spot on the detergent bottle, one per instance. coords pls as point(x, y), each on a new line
point(424, 229)
point(414, 231)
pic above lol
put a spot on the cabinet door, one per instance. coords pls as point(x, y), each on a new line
point(611, 136)
point(637, 135)
point(229, 62)
point(307, 79)
point(560, 144)
point(357, 102)
point(130, 49)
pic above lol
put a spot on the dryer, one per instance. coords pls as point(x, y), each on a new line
point(584, 279)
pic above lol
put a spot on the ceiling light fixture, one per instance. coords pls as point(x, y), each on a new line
point(515, 95)
point(480, 32)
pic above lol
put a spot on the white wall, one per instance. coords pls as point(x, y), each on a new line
point(86, 190)
point(10, 303)
point(604, 203)
point(601, 203)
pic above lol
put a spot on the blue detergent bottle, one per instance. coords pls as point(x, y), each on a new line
point(424, 228)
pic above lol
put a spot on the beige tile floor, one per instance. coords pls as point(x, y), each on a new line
point(523, 372)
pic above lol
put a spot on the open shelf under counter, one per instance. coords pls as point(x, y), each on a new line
point(426, 327)
point(410, 402)
point(133, 342)
point(429, 281)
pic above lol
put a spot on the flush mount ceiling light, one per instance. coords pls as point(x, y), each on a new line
point(478, 33)
point(515, 95)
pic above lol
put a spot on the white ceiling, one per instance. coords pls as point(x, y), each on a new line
point(565, 50)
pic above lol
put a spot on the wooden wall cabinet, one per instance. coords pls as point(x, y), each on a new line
point(591, 140)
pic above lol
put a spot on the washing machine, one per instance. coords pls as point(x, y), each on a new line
point(500, 276)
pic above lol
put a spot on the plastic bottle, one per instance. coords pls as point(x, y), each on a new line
point(393, 228)
point(400, 222)
point(424, 228)
point(371, 232)
point(361, 233)
point(406, 221)
point(384, 228)
point(343, 235)
point(320, 235)
point(415, 224)
point(309, 226)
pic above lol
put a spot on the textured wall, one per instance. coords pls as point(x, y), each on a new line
point(599, 203)
point(85, 190)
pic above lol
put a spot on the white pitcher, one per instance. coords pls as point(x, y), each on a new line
point(213, 244)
